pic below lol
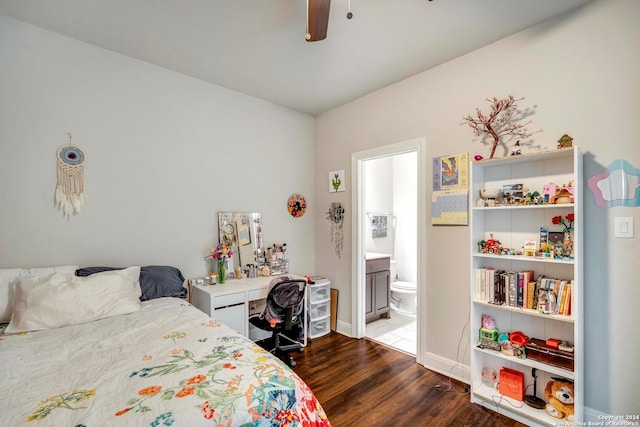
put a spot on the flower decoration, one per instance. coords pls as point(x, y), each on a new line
point(221, 251)
point(568, 225)
point(297, 205)
point(335, 181)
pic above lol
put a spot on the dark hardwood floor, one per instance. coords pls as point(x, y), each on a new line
point(363, 383)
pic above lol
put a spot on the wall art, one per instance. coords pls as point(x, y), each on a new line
point(449, 200)
point(336, 219)
point(618, 185)
point(336, 181)
point(70, 195)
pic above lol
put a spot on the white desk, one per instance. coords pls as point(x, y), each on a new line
point(229, 302)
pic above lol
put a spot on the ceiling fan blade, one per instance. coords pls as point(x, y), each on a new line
point(318, 19)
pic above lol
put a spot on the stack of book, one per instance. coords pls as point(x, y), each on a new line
point(520, 289)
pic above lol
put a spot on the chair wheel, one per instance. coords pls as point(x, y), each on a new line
point(301, 350)
point(292, 362)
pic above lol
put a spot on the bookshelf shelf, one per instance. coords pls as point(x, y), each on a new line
point(512, 225)
point(526, 258)
point(512, 408)
point(523, 207)
point(526, 311)
point(527, 362)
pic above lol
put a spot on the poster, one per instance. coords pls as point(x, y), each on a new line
point(450, 197)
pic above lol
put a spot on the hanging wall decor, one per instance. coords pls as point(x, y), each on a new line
point(297, 205)
point(336, 217)
point(70, 195)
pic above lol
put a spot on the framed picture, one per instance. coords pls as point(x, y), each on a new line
point(336, 181)
point(556, 238)
point(513, 193)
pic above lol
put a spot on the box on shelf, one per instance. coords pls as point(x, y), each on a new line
point(538, 350)
point(511, 384)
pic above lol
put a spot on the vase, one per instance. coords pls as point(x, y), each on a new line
point(568, 242)
point(222, 270)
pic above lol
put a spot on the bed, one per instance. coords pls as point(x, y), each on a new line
point(161, 363)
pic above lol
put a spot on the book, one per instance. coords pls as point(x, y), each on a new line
point(521, 290)
point(511, 282)
point(489, 280)
point(480, 285)
point(531, 290)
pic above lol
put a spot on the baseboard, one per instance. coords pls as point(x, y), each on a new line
point(596, 416)
point(343, 328)
point(447, 367)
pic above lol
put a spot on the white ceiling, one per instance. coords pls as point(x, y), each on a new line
point(258, 47)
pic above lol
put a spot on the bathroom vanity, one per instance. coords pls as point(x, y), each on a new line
point(377, 288)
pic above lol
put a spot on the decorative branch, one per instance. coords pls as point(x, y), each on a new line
point(498, 122)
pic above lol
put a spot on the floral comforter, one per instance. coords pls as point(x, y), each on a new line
point(167, 364)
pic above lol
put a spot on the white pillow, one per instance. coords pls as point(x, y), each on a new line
point(8, 278)
point(60, 299)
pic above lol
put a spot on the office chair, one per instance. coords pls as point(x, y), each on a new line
point(283, 316)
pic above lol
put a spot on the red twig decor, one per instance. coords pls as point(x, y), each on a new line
point(498, 122)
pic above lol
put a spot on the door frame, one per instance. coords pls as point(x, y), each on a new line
point(358, 277)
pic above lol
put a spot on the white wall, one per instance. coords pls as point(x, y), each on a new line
point(378, 200)
point(581, 72)
point(165, 153)
point(405, 175)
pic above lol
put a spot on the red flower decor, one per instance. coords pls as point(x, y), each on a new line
point(567, 225)
point(221, 251)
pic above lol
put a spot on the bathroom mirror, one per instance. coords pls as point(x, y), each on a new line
point(242, 232)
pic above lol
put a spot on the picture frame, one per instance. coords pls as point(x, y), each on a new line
point(337, 181)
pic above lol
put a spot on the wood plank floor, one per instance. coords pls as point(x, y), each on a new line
point(363, 383)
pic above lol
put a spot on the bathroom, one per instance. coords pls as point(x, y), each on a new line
point(390, 201)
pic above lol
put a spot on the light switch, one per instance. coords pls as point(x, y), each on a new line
point(624, 227)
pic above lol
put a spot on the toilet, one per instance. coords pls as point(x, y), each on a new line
point(403, 294)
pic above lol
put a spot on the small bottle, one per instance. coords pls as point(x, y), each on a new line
point(213, 278)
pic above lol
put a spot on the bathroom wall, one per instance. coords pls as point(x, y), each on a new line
point(378, 199)
point(405, 193)
point(391, 187)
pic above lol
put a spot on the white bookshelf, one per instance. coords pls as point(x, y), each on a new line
point(512, 225)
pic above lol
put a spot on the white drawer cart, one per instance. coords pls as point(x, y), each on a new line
point(319, 307)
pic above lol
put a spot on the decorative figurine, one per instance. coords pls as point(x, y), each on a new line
point(490, 197)
point(565, 141)
point(515, 151)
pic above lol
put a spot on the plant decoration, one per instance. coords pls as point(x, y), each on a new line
point(335, 181)
point(222, 253)
point(336, 216)
point(567, 249)
point(499, 121)
point(568, 226)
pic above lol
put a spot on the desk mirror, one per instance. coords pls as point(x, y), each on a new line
point(242, 232)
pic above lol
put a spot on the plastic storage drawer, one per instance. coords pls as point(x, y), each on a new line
point(319, 310)
point(319, 292)
point(319, 327)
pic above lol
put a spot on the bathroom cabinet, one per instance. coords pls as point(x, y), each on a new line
point(377, 291)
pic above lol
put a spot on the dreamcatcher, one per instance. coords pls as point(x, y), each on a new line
point(336, 216)
point(70, 195)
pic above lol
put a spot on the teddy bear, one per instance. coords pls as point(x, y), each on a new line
point(560, 395)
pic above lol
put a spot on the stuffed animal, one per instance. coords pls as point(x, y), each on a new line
point(560, 395)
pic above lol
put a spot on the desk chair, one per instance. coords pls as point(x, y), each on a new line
point(283, 316)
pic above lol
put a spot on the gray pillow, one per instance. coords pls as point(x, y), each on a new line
point(156, 281)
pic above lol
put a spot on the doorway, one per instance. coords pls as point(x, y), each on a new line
point(389, 222)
